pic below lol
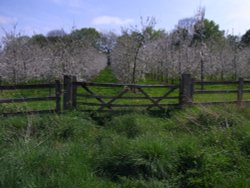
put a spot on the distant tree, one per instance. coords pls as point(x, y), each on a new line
point(233, 39)
point(148, 29)
point(234, 43)
point(125, 56)
point(89, 35)
point(212, 30)
point(199, 38)
point(179, 43)
point(56, 33)
point(128, 64)
point(245, 39)
point(39, 39)
point(106, 43)
point(16, 56)
point(200, 28)
point(187, 24)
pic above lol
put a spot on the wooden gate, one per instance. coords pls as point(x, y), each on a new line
point(103, 97)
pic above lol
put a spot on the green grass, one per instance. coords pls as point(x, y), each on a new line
point(195, 147)
point(26, 106)
point(105, 76)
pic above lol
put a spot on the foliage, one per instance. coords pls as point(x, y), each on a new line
point(39, 39)
point(212, 31)
point(245, 39)
point(56, 33)
point(89, 33)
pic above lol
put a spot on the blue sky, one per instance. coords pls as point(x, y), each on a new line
point(41, 16)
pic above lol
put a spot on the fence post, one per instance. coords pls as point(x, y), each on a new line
point(74, 92)
point(1, 82)
point(58, 96)
point(50, 87)
point(240, 91)
point(186, 90)
point(69, 94)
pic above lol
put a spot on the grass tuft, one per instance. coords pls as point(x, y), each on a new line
point(195, 147)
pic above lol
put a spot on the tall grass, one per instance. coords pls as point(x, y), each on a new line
point(196, 147)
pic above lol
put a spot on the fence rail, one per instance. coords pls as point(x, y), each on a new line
point(30, 86)
point(84, 94)
point(56, 97)
point(215, 82)
point(27, 99)
point(123, 97)
point(123, 85)
point(220, 102)
point(214, 91)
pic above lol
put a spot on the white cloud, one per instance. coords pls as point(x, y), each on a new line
point(109, 20)
point(7, 20)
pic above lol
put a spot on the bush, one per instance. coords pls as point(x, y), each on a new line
point(201, 119)
point(134, 125)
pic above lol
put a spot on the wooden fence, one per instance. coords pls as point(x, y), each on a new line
point(83, 95)
point(56, 97)
point(239, 91)
point(184, 94)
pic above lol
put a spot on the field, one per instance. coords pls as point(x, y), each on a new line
point(193, 147)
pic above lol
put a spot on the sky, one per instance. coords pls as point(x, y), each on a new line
point(41, 16)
